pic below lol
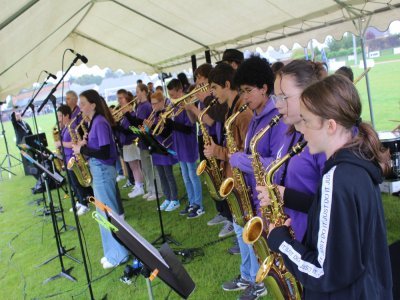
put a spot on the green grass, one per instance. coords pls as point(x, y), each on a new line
point(27, 240)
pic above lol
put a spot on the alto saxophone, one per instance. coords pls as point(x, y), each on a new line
point(58, 164)
point(209, 167)
point(255, 227)
point(273, 265)
point(77, 163)
point(240, 206)
point(254, 232)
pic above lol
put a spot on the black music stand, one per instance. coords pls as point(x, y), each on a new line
point(49, 156)
point(159, 263)
point(47, 174)
point(154, 146)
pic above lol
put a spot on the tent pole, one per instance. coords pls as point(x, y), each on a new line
point(362, 35)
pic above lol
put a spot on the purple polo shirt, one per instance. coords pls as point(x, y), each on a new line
point(100, 134)
point(186, 144)
point(165, 160)
point(303, 174)
point(269, 145)
point(143, 111)
point(66, 137)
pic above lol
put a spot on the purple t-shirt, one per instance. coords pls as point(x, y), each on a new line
point(269, 145)
point(186, 144)
point(165, 160)
point(303, 174)
point(123, 138)
point(100, 134)
point(143, 111)
point(74, 113)
point(66, 137)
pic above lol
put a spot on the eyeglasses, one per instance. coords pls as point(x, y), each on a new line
point(246, 91)
point(278, 98)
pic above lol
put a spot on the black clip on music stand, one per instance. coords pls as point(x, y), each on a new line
point(154, 146)
point(159, 263)
point(60, 248)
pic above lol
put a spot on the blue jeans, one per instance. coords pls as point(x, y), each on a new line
point(192, 183)
point(168, 183)
point(249, 265)
point(105, 190)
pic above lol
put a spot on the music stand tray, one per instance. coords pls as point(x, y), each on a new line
point(161, 262)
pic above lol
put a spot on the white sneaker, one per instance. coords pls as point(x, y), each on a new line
point(108, 265)
point(77, 205)
point(145, 196)
point(103, 260)
point(120, 177)
point(173, 205)
point(152, 197)
point(83, 210)
point(137, 191)
point(165, 204)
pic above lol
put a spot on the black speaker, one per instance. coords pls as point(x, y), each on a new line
point(208, 56)
point(194, 62)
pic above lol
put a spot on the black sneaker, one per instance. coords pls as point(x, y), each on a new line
point(196, 212)
point(253, 292)
point(187, 210)
point(236, 284)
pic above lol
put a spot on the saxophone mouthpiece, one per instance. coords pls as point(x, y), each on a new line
point(243, 107)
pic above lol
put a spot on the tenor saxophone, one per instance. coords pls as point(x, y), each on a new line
point(240, 205)
point(209, 167)
point(273, 265)
point(77, 163)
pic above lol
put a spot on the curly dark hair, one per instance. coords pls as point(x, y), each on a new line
point(255, 71)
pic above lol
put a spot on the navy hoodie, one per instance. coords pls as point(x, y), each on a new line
point(344, 254)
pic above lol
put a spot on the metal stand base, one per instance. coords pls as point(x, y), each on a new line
point(62, 274)
point(63, 252)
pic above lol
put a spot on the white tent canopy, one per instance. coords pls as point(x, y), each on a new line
point(154, 36)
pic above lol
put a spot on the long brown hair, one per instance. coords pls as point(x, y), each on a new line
point(336, 97)
point(304, 72)
point(101, 106)
point(143, 87)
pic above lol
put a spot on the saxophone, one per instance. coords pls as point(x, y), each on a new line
point(241, 208)
point(78, 164)
point(209, 167)
point(254, 231)
point(58, 164)
point(273, 265)
point(255, 227)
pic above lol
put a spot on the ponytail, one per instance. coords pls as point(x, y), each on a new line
point(366, 144)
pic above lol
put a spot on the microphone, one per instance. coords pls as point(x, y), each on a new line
point(50, 75)
point(81, 57)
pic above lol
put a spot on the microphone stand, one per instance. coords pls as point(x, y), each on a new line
point(38, 142)
point(53, 100)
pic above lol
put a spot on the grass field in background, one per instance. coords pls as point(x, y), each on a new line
point(26, 239)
